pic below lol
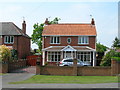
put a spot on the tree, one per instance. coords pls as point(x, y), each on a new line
point(37, 32)
point(116, 43)
point(100, 48)
point(106, 61)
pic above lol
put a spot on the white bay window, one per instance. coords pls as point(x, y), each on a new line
point(53, 56)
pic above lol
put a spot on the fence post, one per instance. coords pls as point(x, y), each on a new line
point(115, 67)
point(74, 67)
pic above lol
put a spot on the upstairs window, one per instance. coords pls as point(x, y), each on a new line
point(55, 40)
point(83, 40)
point(9, 39)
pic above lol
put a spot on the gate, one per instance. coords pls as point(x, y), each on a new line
point(27, 65)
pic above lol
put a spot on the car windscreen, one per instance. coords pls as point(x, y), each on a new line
point(68, 60)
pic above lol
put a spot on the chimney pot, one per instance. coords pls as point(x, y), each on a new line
point(46, 21)
point(24, 27)
point(93, 22)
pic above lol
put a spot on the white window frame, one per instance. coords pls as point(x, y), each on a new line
point(6, 39)
point(67, 40)
point(84, 55)
point(49, 56)
point(55, 41)
point(82, 40)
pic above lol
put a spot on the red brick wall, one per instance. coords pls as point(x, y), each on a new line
point(74, 41)
point(69, 71)
point(55, 70)
point(16, 64)
point(94, 71)
point(23, 47)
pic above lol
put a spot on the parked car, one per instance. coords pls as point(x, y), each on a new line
point(69, 62)
point(87, 63)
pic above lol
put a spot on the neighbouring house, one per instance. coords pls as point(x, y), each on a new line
point(69, 40)
point(15, 38)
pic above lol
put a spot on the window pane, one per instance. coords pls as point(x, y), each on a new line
point(86, 40)
point(51, 40)
point(8, 39)
point(58, 57)
point(52, 57)
point(79, 39)
point(11, 39)
point(54, 39)
point(55, 57)
point(58, 40)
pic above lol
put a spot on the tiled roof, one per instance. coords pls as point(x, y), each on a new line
point(9, 28)
point(69, 29)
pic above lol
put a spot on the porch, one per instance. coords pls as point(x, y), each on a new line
point(54, 54)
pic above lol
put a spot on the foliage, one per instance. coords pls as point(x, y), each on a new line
point(54, 21)
point(37, 33)
point(116, 58)
point(14, 54)
point(100, 48)
point(5, 53)
point(116, 43)
point(106, 61)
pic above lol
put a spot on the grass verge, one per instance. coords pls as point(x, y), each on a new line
point(69, 79)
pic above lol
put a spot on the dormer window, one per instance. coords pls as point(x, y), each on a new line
point(9, 39)
point(55, 40)
point(83, 40)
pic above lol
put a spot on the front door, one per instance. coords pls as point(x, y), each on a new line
point(67, 55)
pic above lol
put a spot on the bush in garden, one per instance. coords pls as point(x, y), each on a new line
point(5, 53)
point(106, 61)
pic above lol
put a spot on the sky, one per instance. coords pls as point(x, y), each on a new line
point(105, 15)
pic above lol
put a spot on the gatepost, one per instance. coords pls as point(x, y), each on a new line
point(38, 65)
point(74, 67)
point(115, 67)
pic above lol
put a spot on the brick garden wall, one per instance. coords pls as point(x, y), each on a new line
point(3, 67)
point(112, 70)
point(16, 64)
point(81, 71)
point(94, 71)
point(56, 70)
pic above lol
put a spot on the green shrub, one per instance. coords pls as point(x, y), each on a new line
point(116, 58)
point(106, 61)
point(5, 53)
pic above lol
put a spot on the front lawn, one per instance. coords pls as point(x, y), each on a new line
point(69, 79)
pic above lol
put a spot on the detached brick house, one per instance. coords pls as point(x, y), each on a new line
point(69, 41)
point(15, 38)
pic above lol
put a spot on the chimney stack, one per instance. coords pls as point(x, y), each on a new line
point(46, 21)
point(93, 22)
point(24, 27)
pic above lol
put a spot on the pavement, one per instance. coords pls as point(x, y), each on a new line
point(19, 76)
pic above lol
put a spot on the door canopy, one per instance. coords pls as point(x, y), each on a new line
point(68, 48)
